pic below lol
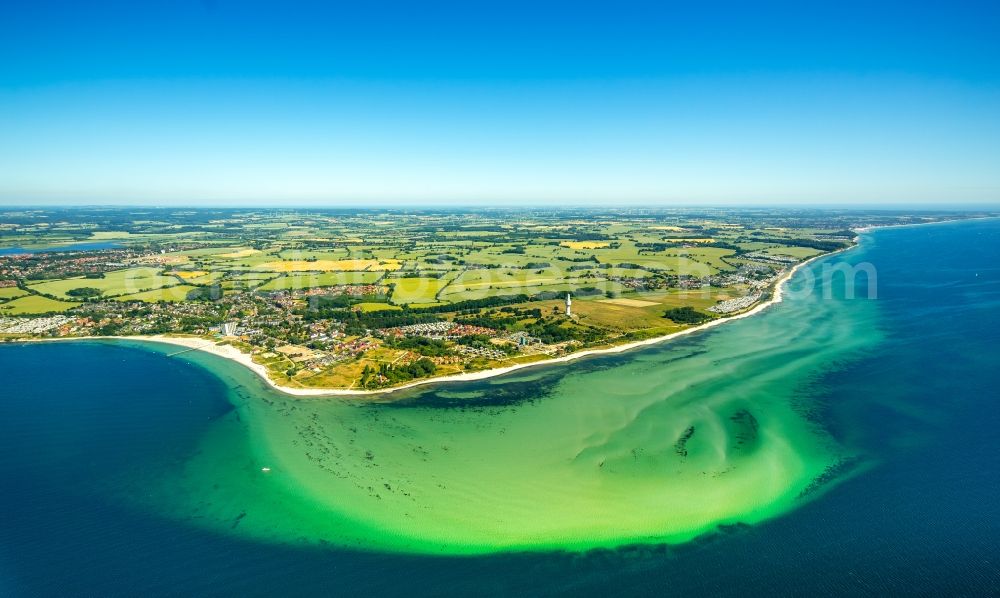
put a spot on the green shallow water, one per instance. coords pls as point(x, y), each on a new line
point(659, 445)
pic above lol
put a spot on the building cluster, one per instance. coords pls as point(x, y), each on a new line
point(118, 318)
point(484, 352)
point(360, 290)
point(434, 330)
point(771, 259)
point(46, 325)
point(691, 282)
point(63, 265)
point(733, 280)
point(460, 330)
point(438, 330)
point(640, 284)
point(735, 305)
point(523, 339)
point(756, 270)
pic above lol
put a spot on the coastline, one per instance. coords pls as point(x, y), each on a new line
point(867, 229)
point(234, 354)
point(245, 359)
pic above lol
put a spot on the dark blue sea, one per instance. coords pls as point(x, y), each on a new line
point(924, 519)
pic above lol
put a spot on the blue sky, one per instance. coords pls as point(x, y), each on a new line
point(613, 103)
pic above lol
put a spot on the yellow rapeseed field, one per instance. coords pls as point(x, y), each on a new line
point(585, 244)
point(189, 274)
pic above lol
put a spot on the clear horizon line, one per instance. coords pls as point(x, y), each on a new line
point(895, 205)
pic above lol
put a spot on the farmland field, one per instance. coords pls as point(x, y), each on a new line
point(797, 252)
point(34, 304)
point(114, 283)
point(10, 293)
point(415, 290)
point(356, 265)
point(308, 280)
point(175, 293)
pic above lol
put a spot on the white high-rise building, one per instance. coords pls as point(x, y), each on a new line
point(569, 305)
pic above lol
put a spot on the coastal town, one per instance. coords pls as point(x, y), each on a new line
point(329, 300)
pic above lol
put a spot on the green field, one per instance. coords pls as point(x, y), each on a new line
point(475, 280)
point(370, 307)
point(308, 280)
point(118, 282)
point(415, 290)
point(172, 294)
point(797, 252)
point(10, 293)
point(205, 279)
point(529, 287)
point(710, 256)
point(621, 272)
point(307, 254)
point(33, 304)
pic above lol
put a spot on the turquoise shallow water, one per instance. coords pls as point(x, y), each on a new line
point(897, 394)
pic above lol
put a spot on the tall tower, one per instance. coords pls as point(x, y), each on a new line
point(569, 305)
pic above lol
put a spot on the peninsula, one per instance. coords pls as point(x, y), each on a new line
point(359, 302)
